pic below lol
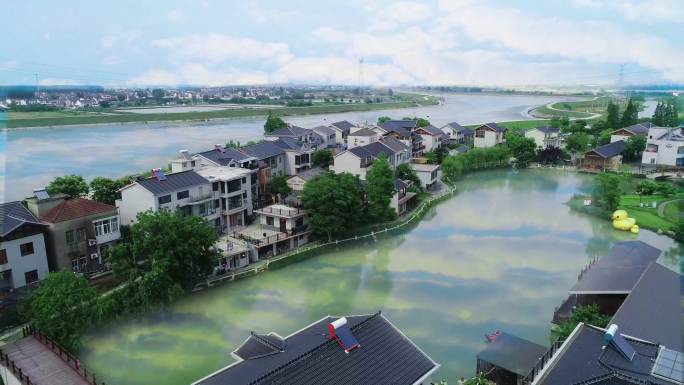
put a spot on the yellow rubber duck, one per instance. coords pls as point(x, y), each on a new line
point(622, 222)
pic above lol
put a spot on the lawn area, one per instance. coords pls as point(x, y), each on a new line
point(559, 111)
point(674, 211)
point(518, 124)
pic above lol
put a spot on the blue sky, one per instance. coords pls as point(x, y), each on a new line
point(467, 42)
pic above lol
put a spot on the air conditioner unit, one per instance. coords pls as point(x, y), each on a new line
point(94, 256)
point(92, 242)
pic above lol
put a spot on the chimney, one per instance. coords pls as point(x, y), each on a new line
point(219, 148)
point(185, 154)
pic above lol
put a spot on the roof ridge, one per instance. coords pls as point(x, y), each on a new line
point(265, 342)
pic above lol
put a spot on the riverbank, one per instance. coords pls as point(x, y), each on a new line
point(66, 120)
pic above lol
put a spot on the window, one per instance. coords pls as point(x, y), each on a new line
point(80, 234)
point(215, 186)
point(70, 237)
point(182, 194)
point(31, 276)
point(269, 221)
point(26, 248)
point(164, 199)
point(192, 164)
point(106, 226)
point(3, 257)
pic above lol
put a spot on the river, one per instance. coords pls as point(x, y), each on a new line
point(35, 156)
point(500, 255)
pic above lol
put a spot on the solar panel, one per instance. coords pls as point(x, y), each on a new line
point(670, 365)
point(41, 194)
point(619, 343)
point(346, 338)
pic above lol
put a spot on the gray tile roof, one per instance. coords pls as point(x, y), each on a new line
point(432, 130)
point(609, 150)
point(548, 129)
point(14, 215)
point(455, 126)
point(512, 353)
point(262, 150)
point(309, 357)
point(174, 182)
point(639, 128)
point(361, 152)
point(364, 132)
point(224, 157)
point(290, 131)
point(391, 127)
point(377, 148)
point(395, 144)
point(324, 130)
point(343, 125)
point(493, 126)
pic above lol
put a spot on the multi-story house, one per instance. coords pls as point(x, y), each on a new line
point(626, 132)
point(427, 173)
point(358, 160)
point(403, 131)
point(281, 228)
point(457, 133)
point(402, 200)
point(489, 135)
point(664, 147)
point(304, 135)
point(362, 137)
point(79, 231)
point(545, 136)
point(342, 129)
point(23, 256)
point(433, 137)
point(271, 158)
point(327, 136)
point(298, 154)
point(234, 192)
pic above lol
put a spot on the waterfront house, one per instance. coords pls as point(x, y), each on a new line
point(461, 149)
point(402, 200)
point(352, 350)
point(606, 157)
point(23, 253)
point(427, 173)
point(296, 182)
point(545, 136)
point(279, 228)
point(358, 160)
point(79, 231)
point(457, 133)
point(489, 135)
point(626, 132)
point(327, 136)
point(342, 129)
point(298, 154)
point(433, 137)
point(508, 359)
point(271, 158)
point(402, 130)
point(292, 132)
point(362, 137)
point(664, 147)
point(234, 192)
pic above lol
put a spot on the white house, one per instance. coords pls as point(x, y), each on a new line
point(402, 199)
point(342, 129)
point(489, 135)
point(626, 132)
point(362, 137)
point(234, 192)
point(296, 182)
point(293, 132)
point(433, 137)
point(327, 136)
point(427, 173)
point(358, 160)
point(298, 155)
point(457, 133)
point(23, 256)
point(664, 146)
point(545, 136)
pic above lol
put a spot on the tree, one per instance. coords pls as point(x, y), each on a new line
point(158, 93)
point(61, 308)
point(631, 114)
point(380, 188)
point(666, 189)
point(106, 190)
point(168, 254)
point(334, 203)
point(72, 185)
point(278, 187)
point(578, 125)
point(679, 230)
point(452, 169)
point(273, 123)
point(383, 119)
point(233, 144)
point(646, 188)
point(577, 142)
point(659, 114)
point(603, 137)
point(522, 148)
point(634, 146)
point(607, 191)
point(588, 314)
point(405, 172)
point(613, 116)
point(420, 122)
point(322, 158)
point(551, 155)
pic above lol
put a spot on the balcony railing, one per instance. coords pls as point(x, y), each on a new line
point(543, 360)
point(200, 198)
point(270, 239)
point(288, 212)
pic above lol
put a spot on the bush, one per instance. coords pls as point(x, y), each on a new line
point(587, 314)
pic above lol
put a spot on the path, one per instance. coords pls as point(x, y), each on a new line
point(661, 207)
point(590, 117)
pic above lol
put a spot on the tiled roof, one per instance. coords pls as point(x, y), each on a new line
point(310, 357)
point(377, 148)
point(494, 127)
point(432, 130)
point(454, 126)
point(13, 215)
point(294, 131)
point(395, 144)
point(361, 152)
point(343, 125)
point(548, 129)
point(173, 182)
point(262, 150)
point(638, 129)
point(364, 132)
point(325, 130)
point(393, 128)
point(610, 150)
point(76, 208)
point(224, 157)
point(512, 353)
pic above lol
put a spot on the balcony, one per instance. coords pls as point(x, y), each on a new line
point(196, 199)
point(281, 210)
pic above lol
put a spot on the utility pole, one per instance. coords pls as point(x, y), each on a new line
point(360, 74)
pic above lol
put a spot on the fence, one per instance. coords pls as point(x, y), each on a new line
point(16, 371)
point(543, 360)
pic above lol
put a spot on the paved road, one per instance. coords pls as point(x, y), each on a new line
point(661, 208)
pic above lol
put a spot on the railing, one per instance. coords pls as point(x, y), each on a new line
point(543, 360)
point(290, 211)
point(200, 198)
point(16, 371)
point(269, 239)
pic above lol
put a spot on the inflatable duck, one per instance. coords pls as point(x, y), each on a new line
point(622, 222)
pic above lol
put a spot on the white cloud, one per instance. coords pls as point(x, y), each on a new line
point(175, 15)
point(57, 82)
point(403, 12)
point(640, 10)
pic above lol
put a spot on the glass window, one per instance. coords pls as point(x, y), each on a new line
point(31, 276)
point(70, 237)
point(3, 257)
point(115, 224)
point(164, 199)
point(269, 221)
point(26, 248)
point(182, 194)
point(215, 186)
point(80, 234)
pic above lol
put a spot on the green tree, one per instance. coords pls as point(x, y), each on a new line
point(666, 189)
point(278, 187)
point(522, 148)
point(72, 185)
point(679, 230)
point(587, 314)
point(603, 137)
point(658, 117)
point(380, 188)
point(607, 191)
point(168, 253)
point(634, 146)
point(334, 203)
point(322, 158)
point(578, 125)
point(405, 172)
point(452, 169)
point(383, 119)
point(273, 123)
point(646, 188)
point(631, 114)
point(233, 144)
point(61, 308)
point(106, 190)
point(613, 116)
point(420, 122)
point(577, 142)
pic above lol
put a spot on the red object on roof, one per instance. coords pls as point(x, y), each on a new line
point(76, 208)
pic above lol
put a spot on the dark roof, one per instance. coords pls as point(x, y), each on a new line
point(432, 130)
point(653, 310)
point(395, 144)
point(468, 131)
point(260, 345)
point(583, 358)
point(262, 150)
point(404, 123)
point(609, 150)
point(290, 131)
point(363, 132)
point(224, 157)
point(14, 215)
point(309, 174)
point(401, 127)
point(76, 208)
point(638, 129)
point(325, 130)
point(494, 127)
point(377, 148)
point(291, 144)
point(343, 125)
point(461, 149)
point(455, 126)
point(310, 357)
point(361, 152)
point(548, 129)
point(512, 353)
point(175, 181)
point(399, 184)
point(619, 270)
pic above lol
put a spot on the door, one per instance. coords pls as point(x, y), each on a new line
point(283, 223)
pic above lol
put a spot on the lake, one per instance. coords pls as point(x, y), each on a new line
point(499, 255)
point(35, 156)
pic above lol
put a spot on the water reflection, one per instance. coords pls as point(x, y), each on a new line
point(500, 255)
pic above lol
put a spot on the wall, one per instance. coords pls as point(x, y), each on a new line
point(134, 199)
point(348, 162)
point(358, 141)
point(20, 265)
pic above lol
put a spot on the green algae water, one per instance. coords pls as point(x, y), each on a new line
point(499, 255)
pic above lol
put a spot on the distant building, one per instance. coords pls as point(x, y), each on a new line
point(353, 350)
point(664, 147)
point(545, 136)
point(23, 254)
point(489, 135)
point(606, 157)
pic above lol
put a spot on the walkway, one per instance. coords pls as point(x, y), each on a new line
point(40, 364)
point(661, 207)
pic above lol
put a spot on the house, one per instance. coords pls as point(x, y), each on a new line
point(626, 132)
point(280, 228)
point(433, 137)
point(403, 130)
point(186, 191)
point(23, 253)
point(457, 133)
point(606, 157)
point(271, 158)
point(489, 135)
point(461, 149)
point(508, 359)
point(296, 182)
point(79, 231)
point(664, 147)
point(362, 137)
point(234, 193)
point(608, 280)
point(327, 136)
point(427, 173)
point(545, 136)
point(358, 160)
point(304, 135)
point(298, 155)
point(342, 129)
point(402, 200)
point(352, 350)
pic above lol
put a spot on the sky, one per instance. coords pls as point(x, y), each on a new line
point(442, 42)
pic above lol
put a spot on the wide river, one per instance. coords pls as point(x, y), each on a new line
point(500, 255)
point(34, 156)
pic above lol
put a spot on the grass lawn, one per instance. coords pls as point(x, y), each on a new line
point(518, 124)
point(674, 211)
point(544, 110)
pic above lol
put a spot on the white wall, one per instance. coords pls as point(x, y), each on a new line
point(134, 199)
point(490, 139)
point(20, 265)
point(358, 141)
point(616, 138)
point(348, 162)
